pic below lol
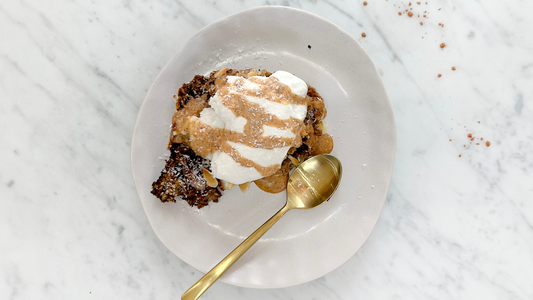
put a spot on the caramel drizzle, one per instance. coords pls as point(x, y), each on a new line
point(280, 93)
point(206, 140)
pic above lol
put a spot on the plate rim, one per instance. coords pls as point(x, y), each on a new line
point(185, 45)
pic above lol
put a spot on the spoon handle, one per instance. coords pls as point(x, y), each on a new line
point(205, 282)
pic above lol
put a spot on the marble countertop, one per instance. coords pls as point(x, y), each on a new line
point(458, 220)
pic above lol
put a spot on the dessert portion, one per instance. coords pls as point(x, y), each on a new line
point(235, 127)
point(250, 125)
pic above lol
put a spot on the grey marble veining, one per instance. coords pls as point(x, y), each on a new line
point(73, 75)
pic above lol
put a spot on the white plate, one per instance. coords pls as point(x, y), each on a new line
point(306, 244)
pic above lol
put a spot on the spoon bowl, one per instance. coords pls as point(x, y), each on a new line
point(312, 183)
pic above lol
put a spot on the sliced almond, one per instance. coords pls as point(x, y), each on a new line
point(303, 132)
point(227, 185)
point(220, 72)
point(294, 161)
point(244, 187)
point(253, 72)
point(211, 181)
point(322, 127)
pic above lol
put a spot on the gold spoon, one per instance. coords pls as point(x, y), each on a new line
point(310, 185)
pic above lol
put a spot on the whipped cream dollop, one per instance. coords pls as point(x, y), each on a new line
point(250, 125)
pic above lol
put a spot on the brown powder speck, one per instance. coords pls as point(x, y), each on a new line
point(363, 34)
point(399, 13)
point(409, 3)
point(424, 16)
point(364, 3)
point(439, 8)
point(418, 3)
point(469, 135)
point(442, 45)
point(410, 14)
point(464, 145)
point(478, 122)
point(440, 75)
point(459, 155)
point(487, 143)
point(421, 23)
point(450, 140)
point(453, 68)
point(481, 138)
point(477, 143)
